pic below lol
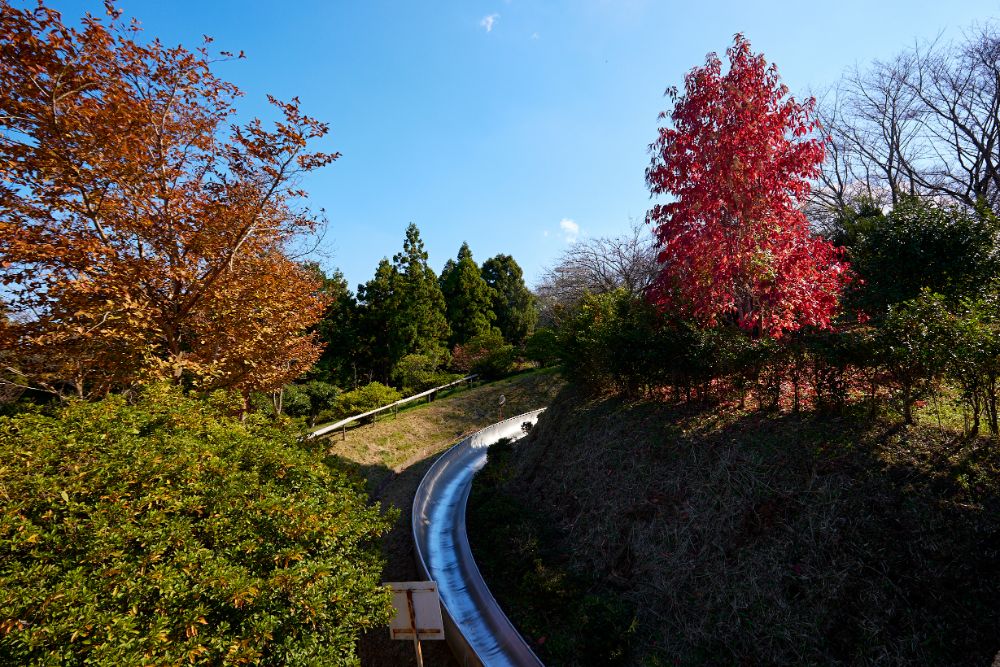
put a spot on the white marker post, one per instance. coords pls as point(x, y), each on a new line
point(418, 613)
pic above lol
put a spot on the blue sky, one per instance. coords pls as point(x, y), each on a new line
point(496, 122)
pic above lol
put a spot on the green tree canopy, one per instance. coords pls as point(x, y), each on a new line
point(918, 244)
point(338, 329)
point(513, 303)
point(379, 302)
point(468, 298)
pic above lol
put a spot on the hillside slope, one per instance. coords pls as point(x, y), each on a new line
point(393, 454)
point(710, 538)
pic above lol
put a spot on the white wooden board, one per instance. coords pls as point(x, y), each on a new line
point(426, 609)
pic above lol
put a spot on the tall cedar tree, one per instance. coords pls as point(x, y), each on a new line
point(381, 344)
point(402, 310)
point(138, 236)
point(513, 303)
point(337, 329)
point(737, 162)
point(420, 317)
point(467, 297)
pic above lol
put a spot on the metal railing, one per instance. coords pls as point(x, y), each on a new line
point(391, 406)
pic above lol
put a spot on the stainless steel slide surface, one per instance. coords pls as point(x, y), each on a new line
point(477, 630)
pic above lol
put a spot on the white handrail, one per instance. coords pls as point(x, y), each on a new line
point(344, 422)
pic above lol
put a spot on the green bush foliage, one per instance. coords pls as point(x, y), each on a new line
point(165, 532)
point(487, 355)
point(913, 345)
point(371, 396)
point(919, 244)
point(543, 347)
point(419, 372)
point(315, 400)
point(974, 358)
point(618, 343)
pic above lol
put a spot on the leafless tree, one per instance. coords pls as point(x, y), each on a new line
point(925, 123)
point(598, 265)
point(959, 88)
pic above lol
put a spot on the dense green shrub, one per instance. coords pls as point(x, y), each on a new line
point(371, 396)
point(619, 343)
point(419, 372)
point(974, 359)
point(315, 400)
point(616, 341)
point(582, 338)
point(919, 244)
point(542, 347)
point(487, 355)
point(913, 345)
point(165, 532)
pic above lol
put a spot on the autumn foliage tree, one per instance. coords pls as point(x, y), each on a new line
point(141, 234)
point(737, 161)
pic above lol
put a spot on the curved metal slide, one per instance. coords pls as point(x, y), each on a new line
point(477, 630)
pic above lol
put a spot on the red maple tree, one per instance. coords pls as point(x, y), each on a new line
point(737, 160)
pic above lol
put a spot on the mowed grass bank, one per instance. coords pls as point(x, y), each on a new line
point(393, 443)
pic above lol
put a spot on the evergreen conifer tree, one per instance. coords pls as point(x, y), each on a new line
point(338, 329)
point(419, 322)
point(378, 304)
point(468, 298)
point(513, 303)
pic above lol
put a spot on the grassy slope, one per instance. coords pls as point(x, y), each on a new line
point(394, 453)
point(746, 538)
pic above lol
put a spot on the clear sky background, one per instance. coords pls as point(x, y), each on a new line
point(497, 121)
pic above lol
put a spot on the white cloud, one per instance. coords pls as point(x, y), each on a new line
point(488, 22)
point(545, 233)
point(570, 229)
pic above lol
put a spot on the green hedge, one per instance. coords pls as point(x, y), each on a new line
point(364, 399)
point(165, 532)
point(487, 355)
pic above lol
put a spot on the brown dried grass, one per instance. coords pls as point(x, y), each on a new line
point(769, 538)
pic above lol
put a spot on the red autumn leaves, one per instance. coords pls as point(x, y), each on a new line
point(734, 244)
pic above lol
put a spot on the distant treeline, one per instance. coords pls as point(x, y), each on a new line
point(411, 329)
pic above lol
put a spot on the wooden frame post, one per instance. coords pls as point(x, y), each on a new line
point(413, 624)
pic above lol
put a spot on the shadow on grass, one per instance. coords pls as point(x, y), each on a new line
point(760, 538)
point(396, 490)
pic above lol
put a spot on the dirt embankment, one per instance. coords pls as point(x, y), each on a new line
point(743, 538)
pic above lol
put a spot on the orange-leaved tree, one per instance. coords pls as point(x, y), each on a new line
point(142, 233)
point(734, 242)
